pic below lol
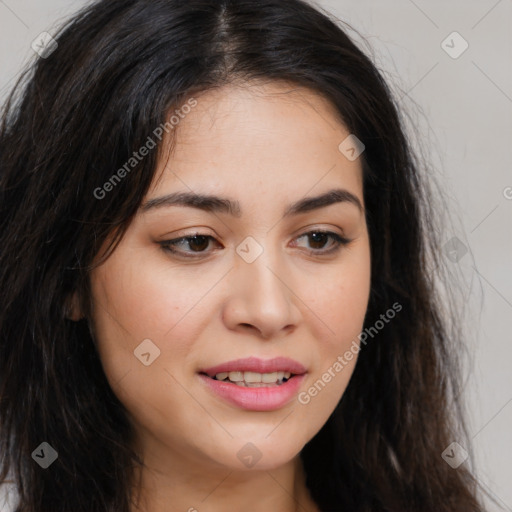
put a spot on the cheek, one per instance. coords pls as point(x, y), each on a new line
point(339, 298)
point(338, 305)
point(136, 301)
point(341, 307)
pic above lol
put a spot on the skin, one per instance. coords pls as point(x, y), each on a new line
point(265, 146)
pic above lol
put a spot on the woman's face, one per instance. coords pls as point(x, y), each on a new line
point(259, 283)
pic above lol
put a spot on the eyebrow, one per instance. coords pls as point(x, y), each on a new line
point(213, 204)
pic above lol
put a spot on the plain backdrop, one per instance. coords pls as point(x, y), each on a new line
point(461, 103)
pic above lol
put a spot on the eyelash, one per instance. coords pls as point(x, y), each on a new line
point(340, 242)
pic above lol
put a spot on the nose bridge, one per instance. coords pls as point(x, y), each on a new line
point(264, 271)
point(264, 298)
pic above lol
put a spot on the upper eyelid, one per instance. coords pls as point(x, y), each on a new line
point(309, 231)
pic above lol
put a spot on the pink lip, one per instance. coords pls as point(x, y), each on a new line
point(253, 364)
point(256, 399)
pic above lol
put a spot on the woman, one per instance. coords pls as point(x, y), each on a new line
point(215, 255)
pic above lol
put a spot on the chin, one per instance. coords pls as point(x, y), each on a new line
point(257, 453)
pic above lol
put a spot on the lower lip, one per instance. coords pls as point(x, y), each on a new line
point(255, 399)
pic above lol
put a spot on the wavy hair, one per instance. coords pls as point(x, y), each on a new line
point(78, 115)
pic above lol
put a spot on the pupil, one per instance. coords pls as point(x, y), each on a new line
point(318, 237)
point(195, 242)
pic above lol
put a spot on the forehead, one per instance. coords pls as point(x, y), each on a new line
point(275, 134)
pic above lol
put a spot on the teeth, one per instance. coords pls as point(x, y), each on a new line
point(253, 379)
point(269, 377)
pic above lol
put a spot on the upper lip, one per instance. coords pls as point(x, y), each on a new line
point(253, 364)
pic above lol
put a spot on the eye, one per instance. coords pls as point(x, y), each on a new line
point(319, 239)
point(196, 243)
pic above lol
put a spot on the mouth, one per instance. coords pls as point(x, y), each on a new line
point(252, 370)
point(238, 381)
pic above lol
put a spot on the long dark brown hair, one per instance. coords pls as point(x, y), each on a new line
point(76, 117)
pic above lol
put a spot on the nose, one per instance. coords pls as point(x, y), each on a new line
point(261, 298)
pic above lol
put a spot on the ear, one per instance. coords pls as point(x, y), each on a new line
point(73, 309)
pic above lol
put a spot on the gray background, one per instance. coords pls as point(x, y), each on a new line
point(466, 127)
